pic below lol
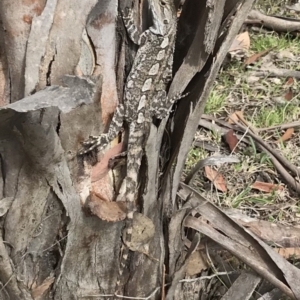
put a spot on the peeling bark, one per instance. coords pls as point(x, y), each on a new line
point(66, 65)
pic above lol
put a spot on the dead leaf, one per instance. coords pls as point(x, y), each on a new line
point(289, 95)
point(104, 188)
point(253, 58)
point(196, 263)
point(39, 291)
point(109, 211)
point(234, 117)
point(238, 116)
point(288, 253)
point(289, 82)
point(216, 178)
point(266, 186)
point(287, 135)
point(241, 42)
point(231, 140)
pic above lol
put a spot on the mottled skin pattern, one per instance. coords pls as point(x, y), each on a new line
point(144, 97)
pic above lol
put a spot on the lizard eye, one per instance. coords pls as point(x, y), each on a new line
point(162, 2)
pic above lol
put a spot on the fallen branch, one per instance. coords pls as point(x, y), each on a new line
point(209, 161)
point(282, 126)
point(273, 23)
point(212, 126)
point(271, 233)
point(216, 225)
point(279, 162)
point(275, 72)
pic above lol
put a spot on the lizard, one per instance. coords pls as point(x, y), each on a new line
point(145, 98)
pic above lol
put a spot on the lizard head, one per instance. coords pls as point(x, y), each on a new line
point(164, 16)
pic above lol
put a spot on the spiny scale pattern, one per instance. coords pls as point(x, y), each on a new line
point(144, 97)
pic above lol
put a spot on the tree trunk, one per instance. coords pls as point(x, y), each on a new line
point(62, 69)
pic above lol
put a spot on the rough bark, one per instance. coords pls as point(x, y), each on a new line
point(62, 68)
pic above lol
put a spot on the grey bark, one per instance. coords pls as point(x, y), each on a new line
point(63, 66)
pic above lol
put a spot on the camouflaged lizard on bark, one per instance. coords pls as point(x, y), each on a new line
point(145, 97)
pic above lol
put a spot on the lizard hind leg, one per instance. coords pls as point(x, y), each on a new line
point(104, 139)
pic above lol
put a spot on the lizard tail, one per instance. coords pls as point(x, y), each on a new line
point(123, 263)
point(134, 158)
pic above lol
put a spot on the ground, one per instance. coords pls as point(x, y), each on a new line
point(265, 102)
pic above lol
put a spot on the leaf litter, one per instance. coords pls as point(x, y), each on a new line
point(262, 184)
